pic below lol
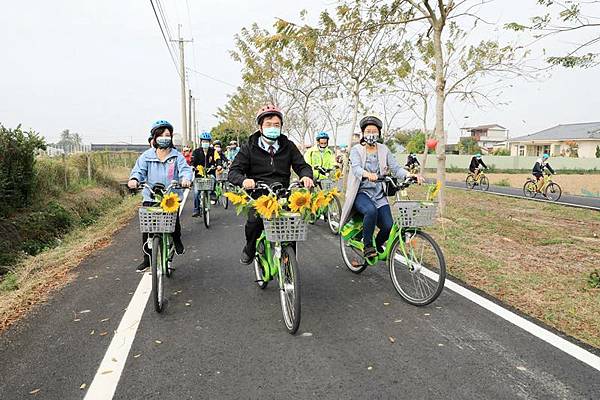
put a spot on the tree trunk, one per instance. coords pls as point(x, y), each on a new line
point(426, 132)
point(356, 95)
point(440, 89)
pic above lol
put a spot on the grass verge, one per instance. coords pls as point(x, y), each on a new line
point(35, 278)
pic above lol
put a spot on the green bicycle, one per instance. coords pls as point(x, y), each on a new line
point(550, 190)
point(333, 212)
point(223, 186)
point(416, 263)
point(477, 179)
point(276, 256)
point(159, 225)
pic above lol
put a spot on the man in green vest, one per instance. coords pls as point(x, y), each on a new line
point(320, 155)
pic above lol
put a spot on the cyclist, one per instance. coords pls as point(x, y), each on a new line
point(160, 164)
point(411, 161)
point(204, 156)
point(476, 161)
point(187, 153)
point(363, 193)
point(233, 150)
point(538, 169)
point(320, 155)
point(268, 156)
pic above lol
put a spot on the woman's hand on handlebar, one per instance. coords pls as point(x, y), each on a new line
point(132, 184)
point(370, 176)
point(186, 183)
point(418, 177)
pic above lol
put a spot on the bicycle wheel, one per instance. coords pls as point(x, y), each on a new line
point(353, 257)
point(484, 183)
point(206, 209)
point(290, 292)
point(334, 213)
point(169, 268)
point(158, 287)
point(224, 200)
point(259, 272)
point(530, 189)
point(470, 181)
point(419, 275)
point(553, 192)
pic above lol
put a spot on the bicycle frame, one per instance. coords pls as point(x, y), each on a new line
point(270, 259)
point(167, 248)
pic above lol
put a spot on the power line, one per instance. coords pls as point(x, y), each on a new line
point(211, 77)
point(165, 21)
point(167, 42)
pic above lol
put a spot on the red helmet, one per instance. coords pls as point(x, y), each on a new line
point(266, 111)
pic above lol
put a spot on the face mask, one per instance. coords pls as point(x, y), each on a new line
point(205, 145)
point(272, 133)
point(371, 140)
point(163, 142)
point(218, 149)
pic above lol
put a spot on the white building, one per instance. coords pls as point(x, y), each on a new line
point(488, 136)
point(570, 140)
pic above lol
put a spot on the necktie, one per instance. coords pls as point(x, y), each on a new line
point(271, 151)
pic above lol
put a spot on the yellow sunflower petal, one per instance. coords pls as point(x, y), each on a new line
point(170, 203)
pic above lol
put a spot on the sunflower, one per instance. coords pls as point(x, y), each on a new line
point(433, 190)
point(300, 201)
point(320, 201)
point(170, 203)
point(337, 175)
point(267, 206)
point(333, 193)
point(237, 199)
point(200, 170)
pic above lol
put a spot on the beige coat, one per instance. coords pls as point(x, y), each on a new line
point(353, 182)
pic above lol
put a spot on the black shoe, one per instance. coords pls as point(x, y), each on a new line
point(179, 248)
point(196, 213)
point(246, 259)
point(144, 265)
point(370, 252)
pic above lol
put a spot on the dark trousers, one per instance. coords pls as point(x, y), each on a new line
point(176, 235)
point(372, 216)
point(254, 227)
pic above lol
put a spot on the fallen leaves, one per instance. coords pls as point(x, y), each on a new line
point(158, 342)
point(83, 386)
point(34, 391)
point(392, 339)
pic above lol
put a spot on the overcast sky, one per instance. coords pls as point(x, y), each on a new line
point(101, 68)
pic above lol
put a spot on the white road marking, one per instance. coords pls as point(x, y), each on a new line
point(107, 377)
point(571, 349)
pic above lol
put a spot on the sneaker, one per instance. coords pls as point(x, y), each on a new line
point(143, 267)
point(245, 258)
point(370, 252)
point(179, 248)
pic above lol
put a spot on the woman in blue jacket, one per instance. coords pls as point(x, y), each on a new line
point(162, 163)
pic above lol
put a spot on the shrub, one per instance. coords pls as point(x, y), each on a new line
point(504, 182)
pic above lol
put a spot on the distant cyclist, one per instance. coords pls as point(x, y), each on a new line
point(538, 169)
point(412, 162)
point(232, 150)
point(160, 164)
point(203, 156)
point(320, 155)
point(476, 162)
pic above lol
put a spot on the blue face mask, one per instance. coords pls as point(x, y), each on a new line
point(272, 133)
point(205, 145)
point(163, 142)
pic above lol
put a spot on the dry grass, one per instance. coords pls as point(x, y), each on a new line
point(572, 184)
point(37, 277)
point(535, 257)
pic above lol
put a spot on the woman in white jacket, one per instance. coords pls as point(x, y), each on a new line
point(363, 193)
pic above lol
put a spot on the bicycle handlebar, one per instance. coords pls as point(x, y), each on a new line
point(274, 188)
point(158, 187)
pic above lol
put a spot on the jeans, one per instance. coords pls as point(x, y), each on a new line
point(372, 216)
point(176, 235)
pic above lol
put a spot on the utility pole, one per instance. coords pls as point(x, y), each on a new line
point(184, 131)
point(190, 126)
point(195, 123)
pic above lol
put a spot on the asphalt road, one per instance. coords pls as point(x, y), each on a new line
point(228, 342)
point(586, 201)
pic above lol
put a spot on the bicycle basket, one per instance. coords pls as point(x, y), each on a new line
point(155, 220)
point(204, 184)
point(222, 176)
point(327, 184)
point(286, 228)
point(416, 213)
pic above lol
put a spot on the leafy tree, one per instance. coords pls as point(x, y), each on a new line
point(468, 145)
point(416, 144)
point(597, 151)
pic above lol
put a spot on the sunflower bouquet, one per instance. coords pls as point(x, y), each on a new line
point(201, 171)
point(307, 204)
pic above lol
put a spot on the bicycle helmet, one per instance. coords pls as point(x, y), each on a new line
point(161, 123)
point(205, 136)
point(370, 120)
point(217, 143)
point(478, 155)
point(233, 142)
point(266, 111)
point(545, 156)
point(322, 135)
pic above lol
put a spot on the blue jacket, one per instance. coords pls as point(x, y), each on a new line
point(148, 168)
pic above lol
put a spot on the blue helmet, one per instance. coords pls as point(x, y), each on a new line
point(322, 135)
point(161, 123)
point(478, 155)
point(205, 136)
point(545, 156)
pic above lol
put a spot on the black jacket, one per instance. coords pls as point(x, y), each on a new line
point(538, 168)
point(207, 160)
point(255, 163)
point(410, 160)
point(476, 163)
